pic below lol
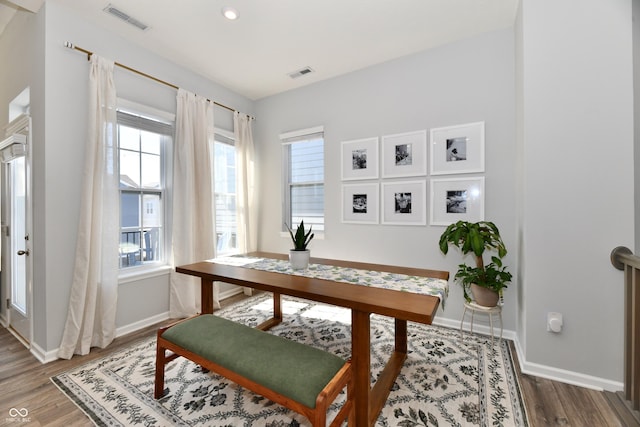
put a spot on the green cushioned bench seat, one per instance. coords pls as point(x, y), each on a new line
point(291, 369)
point(299, 377)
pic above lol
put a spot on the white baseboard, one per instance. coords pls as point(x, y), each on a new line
point(536, 369)
point(42, 355)
point(565, 376)
point(230, 292)
point(51, 355)
point(477, 328)
point(3, 321)
point(140, 324)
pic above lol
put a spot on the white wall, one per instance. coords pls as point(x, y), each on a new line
point(577, 141)
point(465, 82)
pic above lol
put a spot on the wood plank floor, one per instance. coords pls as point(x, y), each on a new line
point(25, 383)
point(552, 403)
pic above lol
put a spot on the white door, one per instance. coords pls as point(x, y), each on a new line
point(15, 206)
point(19, 247)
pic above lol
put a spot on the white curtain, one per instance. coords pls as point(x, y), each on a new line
point(245, 191)
point(246, 208)
point(92, 303)
point(193, 211)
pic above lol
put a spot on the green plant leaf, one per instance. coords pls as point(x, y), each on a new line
point(477, 242)
point(301, 238)
point(457, 235)
point(502, 251)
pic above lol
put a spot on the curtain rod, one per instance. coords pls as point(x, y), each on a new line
point(133, 70)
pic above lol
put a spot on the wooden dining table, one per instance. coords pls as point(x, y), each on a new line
point(363, 301)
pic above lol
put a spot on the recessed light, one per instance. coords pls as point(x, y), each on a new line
point(230, 13)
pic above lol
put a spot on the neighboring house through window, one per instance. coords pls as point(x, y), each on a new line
point(144, 139)
point(303, 160)
point(143, 142)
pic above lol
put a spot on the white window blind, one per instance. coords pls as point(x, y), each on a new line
point(303, 158)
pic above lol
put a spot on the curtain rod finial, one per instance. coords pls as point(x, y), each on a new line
point(69, 45)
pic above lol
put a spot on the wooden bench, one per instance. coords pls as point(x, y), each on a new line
point(302, 378)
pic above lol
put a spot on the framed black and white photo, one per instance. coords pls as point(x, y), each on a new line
point(360, 159)
point(404, 154)
point(360, 203)
point(404, 203)
point(457, 149)
point(456, 199)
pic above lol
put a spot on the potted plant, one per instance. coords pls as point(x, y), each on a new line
point(299, 255)
point(490, 279)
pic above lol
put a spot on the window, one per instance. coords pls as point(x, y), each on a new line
point(224, 171)
point(303, 160)
point(142, 144)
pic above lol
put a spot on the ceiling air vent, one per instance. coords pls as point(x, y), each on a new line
point(125, 17)
point(301, 72)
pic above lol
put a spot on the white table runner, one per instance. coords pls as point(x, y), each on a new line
point(378, 279)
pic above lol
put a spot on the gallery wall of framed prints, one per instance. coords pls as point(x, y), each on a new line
point(385, 178)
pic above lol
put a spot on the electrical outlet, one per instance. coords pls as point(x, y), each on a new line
point(554, 322)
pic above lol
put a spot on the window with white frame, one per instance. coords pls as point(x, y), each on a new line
point(143, 142)
point(224, 171)
point(303, 160)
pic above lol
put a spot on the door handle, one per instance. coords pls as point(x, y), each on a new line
point(27, 252)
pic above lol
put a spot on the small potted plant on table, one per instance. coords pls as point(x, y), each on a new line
point(486, 282)
point(299, 255)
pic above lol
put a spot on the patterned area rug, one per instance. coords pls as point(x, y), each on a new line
point(445, 381)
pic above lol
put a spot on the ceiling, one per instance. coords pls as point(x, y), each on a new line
point(255, 54)
point(8, 9)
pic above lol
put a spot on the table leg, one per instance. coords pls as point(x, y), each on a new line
point(361, 362)
point(206, 296)
point(401, 336)
point(277, 306)
point(387, 378)
point(277, 314)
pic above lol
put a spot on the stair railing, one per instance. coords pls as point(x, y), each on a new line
point(623, 259)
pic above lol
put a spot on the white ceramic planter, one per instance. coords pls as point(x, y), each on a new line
point(299, 259)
